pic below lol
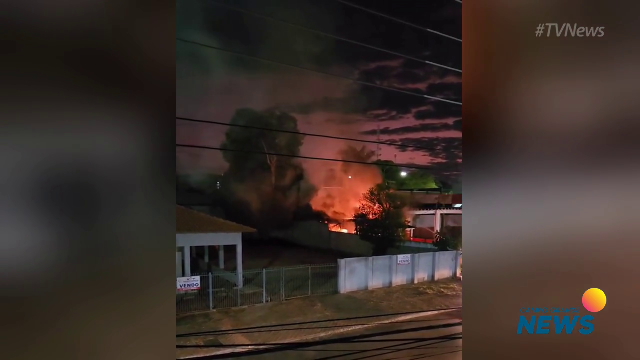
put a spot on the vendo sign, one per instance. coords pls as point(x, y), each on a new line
point(404, 259)
point(189, 283)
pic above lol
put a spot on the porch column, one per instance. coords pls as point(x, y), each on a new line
point(239, 263)
point(178, 263)
point(186, 257)
point(221, 256)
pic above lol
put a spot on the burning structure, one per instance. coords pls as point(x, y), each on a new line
point(340, 188)
point(346, 226)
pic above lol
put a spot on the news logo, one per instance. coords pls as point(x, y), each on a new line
point(593, 300)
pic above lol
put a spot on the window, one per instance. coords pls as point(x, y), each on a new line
point(451, 224)
point(424, 226)
point(425, 221)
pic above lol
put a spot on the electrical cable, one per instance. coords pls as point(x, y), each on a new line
point(298, 156)
point(334, 36)
point(302, 133)
point(319, 72)
point(399, 20)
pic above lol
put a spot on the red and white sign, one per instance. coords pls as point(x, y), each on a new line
point(188, 283)
point(404, 259)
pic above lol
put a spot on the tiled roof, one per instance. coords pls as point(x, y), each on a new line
point(193, 222)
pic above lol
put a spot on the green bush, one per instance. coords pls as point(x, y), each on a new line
point(448, 239)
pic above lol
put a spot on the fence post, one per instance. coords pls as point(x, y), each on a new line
point(282, 284)
point(434, 265)
point(456, 272)
point(414, 267)
point(340, 280)
point(238, 289)
point(264, 286)
point(369, 269)
point(210, 291)
point(309, 280)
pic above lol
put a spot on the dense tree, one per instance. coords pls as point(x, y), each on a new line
point(380, 218)
point(390, 171)
point(417, 179)
point(243, 165)
point(352, 153)
point(258, 177)
point(414, 179)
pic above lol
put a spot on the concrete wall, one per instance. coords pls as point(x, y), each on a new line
point(424, 267)
point(367, 273)
point(445, 264)
point(316, 235)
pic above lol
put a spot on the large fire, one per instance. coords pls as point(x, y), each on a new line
point(339, 193)
point(346, 226)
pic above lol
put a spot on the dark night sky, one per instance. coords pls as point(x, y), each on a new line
point(211, 84)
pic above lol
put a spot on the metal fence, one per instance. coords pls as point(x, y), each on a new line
point(218, 290)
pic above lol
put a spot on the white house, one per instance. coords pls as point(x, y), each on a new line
point(195, 229)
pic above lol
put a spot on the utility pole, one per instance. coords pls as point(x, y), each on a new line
point(378, 144)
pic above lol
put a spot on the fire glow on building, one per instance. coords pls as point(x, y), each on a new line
point(346, 226)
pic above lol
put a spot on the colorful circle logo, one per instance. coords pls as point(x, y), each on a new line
point(594, 300)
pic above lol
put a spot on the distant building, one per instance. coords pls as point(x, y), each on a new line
point(431, 213)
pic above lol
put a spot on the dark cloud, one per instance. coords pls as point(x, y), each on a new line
point(400, 103)
point(378, 74)
point(444, 167)
point(393, 75)
point(343, 121)
point(403, 130)
point(362, 100)
point(450, 90)
point(457, 125)
point(438, 110)
point(449, 171)
point(441, 148)
point(383, 115)
point(407, 77)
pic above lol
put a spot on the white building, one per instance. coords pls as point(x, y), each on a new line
point(195, 229)
point(432, 213)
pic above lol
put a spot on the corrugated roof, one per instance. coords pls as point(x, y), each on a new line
point(434, 207)
point(193, 222)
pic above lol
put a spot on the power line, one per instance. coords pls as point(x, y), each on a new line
point(319, 72)
point(399, 20)
point(334, 36)
point(296, 156)
point(302, 133)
